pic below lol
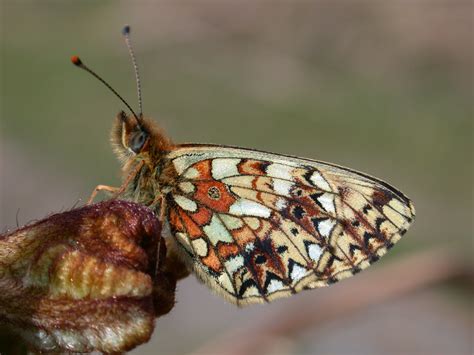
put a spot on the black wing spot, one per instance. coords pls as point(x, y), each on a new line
point(367, 237)
point(367, 208)
point(298, 212)
point(353, 248)
point(281, 249)
point(247, 284)
point(332, 280)
point(260, 259)
point(315, 198)
point(294, 231)
point(374, 258)
point(378, 223)
point(308, 174)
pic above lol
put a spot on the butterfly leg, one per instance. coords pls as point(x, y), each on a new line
point(99, 188)
point(116, 191)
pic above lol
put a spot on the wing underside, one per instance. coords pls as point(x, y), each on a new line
point(257, 226)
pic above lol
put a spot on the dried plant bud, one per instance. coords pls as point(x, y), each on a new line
point(86, 279)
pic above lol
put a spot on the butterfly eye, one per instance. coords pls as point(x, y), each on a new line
point(137, 140)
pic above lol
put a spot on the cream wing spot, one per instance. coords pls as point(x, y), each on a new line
point(187, 187)
point(280, 171)
point(231, 222)
point(200, 247)
point(225, 282)
point(185, 203)
point(398, 206)
point(241, 180)
point(252, 222)
point(191, 173)
point(222, 168)
point(393, 216)
point(183, 240)
point(181, 163)
point(251, 291)
point(235, 263)
point(244, 207)
point(216, 231)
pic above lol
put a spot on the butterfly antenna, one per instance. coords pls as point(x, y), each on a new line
point(126, 34)
point(78, 63)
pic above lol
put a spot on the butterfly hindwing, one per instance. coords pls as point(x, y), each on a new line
point(257, 226)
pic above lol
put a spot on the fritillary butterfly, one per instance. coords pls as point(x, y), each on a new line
point(256, 226)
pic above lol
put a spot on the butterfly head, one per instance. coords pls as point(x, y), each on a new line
point(132, 136)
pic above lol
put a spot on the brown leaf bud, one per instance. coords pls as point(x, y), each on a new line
point(87, 279)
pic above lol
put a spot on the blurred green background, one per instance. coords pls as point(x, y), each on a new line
point(382, 87)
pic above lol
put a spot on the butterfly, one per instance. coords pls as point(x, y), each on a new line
point(256, 226)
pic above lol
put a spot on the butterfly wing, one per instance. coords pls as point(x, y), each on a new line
point(257, 226)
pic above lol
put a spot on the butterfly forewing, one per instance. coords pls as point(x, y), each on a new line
point(257, 226)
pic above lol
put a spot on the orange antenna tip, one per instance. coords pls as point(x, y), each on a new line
point(76, 60)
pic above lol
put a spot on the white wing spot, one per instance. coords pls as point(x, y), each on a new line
point(325, 227)
point(281, 204)
point(319, 181)
point(297, 273)
point(282, 187)
point(314, 252)
point(249, 247)
point(275, 285)
point(327, 201)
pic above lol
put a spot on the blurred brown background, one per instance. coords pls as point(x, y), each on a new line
point(382, 87)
